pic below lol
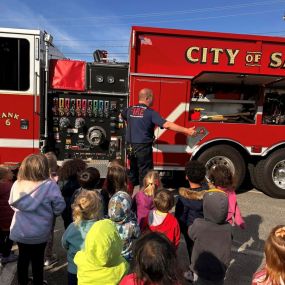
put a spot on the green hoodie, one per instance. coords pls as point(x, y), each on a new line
point(100, 262)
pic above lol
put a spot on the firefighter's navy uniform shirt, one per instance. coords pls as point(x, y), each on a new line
point(141, 123)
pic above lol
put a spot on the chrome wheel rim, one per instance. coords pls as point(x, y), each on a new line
point(220, 160)
point(278, 174)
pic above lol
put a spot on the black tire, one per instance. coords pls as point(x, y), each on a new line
point(251, 167)
point(258, 169)
point(231, 154)
point(264, 174)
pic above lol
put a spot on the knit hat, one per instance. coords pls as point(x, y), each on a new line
point(119, 208)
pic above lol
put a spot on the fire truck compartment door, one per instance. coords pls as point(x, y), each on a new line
point(19, 87)
point(170, 100)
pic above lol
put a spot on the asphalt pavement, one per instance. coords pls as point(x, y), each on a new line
point(260, 212)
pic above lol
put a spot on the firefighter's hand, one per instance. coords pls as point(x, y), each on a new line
point(191, 132)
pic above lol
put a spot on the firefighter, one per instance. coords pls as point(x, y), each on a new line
point(141, 121)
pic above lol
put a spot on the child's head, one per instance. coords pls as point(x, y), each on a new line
point(89, 178)
point(275, 254)
point(221, 176)
point(155, 260)
point(119, 208)
point(52, 162)
point(87, 206)
point(5, 174)
point(151, 182)
point(117, 179)
point(71, 168)
point(195, 171)
point(215, 206)
point(116, 162)
point(34, 168)
point(163, 201)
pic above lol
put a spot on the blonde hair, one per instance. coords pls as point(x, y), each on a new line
point(151, 183)
point(87, 206)
point(275, 255)
point(34, 168)
point(52, 162)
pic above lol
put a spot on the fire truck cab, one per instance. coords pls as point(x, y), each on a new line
point(230, 86)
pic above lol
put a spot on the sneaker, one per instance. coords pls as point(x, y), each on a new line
point(50, 261)
point(188, 275)
point(11, 258)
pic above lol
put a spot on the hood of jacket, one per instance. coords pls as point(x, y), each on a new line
point(28, 195)
point(119, 208)
point(191, 194)
point(100, 262)
point(215, 206)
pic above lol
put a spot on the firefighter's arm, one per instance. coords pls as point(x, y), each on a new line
point(176, 128)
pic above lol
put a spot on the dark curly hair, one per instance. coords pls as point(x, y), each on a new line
point(89, 178)
point(155, 260)
point(195, 171)
point(71, 168)
point(221, 176)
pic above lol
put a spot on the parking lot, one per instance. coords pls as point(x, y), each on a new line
point(260, 212)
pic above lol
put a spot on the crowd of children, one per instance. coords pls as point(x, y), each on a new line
point(114, 235)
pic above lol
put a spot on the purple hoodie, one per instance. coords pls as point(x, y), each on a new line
point(34, 205)
point(144, 204)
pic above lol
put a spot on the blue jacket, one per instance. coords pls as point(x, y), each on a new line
point(73, 241)
point(189, 206)
point(34, 205)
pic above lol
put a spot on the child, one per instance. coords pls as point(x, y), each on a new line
point(144, 198)
point(35, 199)
point(212, 240)
point(155, 262)
point(52, 165)
point(100, 262)
point(68, 184)
point(273, 272)
point(222, 178)
point(160, 220)
point(189, 205)
point(118, 162)
point(89, 179)
point(6, 215)
point(86, 211)
point(116, 180)
point(119, 211)
point(51, 258)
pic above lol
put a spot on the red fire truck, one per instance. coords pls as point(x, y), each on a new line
point(231, 87)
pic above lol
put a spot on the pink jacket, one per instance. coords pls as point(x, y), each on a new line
point(234, 214)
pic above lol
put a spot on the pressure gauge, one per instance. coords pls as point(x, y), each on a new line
point(96, 136)
point(110, 79)
point(99, 78)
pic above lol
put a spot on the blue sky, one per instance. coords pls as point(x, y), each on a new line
point(79, 27)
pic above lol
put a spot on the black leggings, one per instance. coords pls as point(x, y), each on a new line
point(5, 243)
point(33, 253)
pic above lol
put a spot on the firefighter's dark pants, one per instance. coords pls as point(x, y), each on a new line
point(141, 163)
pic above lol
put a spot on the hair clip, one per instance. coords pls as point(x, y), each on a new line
point(280, 232)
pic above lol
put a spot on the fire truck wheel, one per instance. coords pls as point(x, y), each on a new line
point(225, 155)
point(251, 170)
point(270, 174)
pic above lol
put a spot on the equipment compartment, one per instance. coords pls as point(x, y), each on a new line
point(226, 97)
